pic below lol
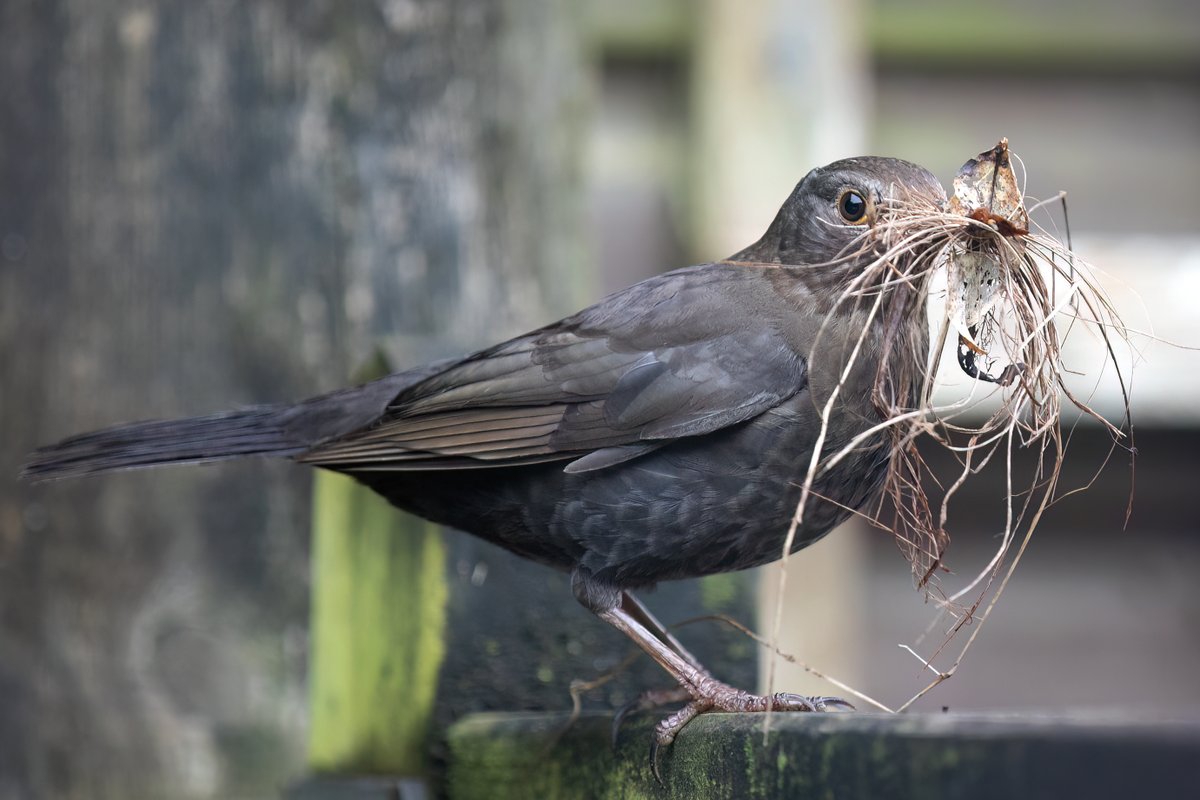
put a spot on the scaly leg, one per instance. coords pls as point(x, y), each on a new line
point(652, 698)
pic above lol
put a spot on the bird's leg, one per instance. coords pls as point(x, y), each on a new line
point(642, 614)
point(652, 698)
point(706, 692)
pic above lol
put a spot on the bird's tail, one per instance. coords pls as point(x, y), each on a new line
point(257, 431)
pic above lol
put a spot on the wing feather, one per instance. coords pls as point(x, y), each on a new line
point(672, 357)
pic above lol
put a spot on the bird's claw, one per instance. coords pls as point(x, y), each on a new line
point(714, 695)
point(655, 764)
point(785, 701)
point(666, 731)
point(647, 700)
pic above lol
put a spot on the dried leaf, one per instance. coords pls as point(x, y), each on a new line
point(986, 190)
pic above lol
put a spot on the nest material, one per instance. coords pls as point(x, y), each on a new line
point(1010, 289)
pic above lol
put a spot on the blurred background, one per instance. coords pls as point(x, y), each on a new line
point(211, 205)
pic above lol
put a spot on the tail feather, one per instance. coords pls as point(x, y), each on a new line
point(248, 432)
point(273, 430)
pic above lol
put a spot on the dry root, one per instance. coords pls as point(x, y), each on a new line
point(1014, 291)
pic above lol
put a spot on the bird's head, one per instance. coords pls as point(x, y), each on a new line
point(856, 244)
point(834, 209)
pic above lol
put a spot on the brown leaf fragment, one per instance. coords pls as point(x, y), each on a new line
point(986, 190)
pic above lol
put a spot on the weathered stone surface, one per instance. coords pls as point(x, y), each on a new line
point(208, 205)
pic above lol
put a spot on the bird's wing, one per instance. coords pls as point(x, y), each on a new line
point(683, 354)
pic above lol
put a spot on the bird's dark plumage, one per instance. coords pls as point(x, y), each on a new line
point(661, 433)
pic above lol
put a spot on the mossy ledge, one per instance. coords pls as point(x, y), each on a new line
point(499, 756)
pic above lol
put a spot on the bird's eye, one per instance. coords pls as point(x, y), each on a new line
point(852, 206)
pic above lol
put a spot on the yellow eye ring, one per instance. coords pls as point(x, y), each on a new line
point(853, 206)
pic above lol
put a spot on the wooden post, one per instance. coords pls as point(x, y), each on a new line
point(210, 205)
point(378, 617)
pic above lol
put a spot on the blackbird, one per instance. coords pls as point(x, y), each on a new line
point(661, 433)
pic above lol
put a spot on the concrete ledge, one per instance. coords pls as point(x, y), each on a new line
point(498, 756)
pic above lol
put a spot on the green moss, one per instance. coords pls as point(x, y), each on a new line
point(718, 756)
point(379, 607)
point(909, 757)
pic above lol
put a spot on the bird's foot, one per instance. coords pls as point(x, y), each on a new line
point(710, 694)
point(703, 692)
point(647, 700)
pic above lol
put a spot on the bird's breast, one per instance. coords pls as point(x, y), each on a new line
point(720, 502)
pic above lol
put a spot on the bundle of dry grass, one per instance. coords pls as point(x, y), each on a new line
point(1014, 291)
